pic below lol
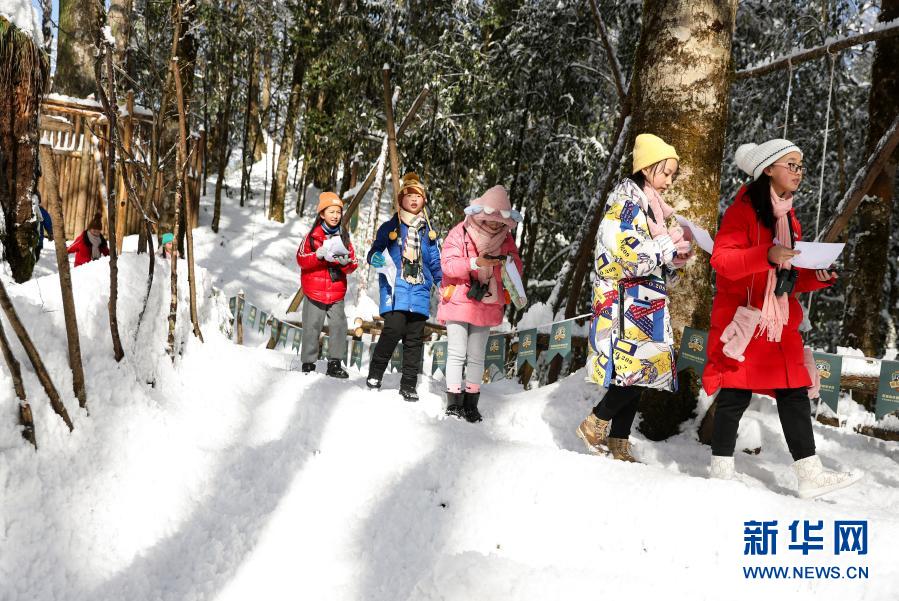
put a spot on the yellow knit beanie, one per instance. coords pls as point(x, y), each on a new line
point(649, 150)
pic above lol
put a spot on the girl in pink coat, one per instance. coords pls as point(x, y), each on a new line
point(473, 298)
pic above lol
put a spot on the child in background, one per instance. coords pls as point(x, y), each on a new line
point(324, 282)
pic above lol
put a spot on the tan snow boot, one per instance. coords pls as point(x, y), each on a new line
point(594, 432)
point(621, 450)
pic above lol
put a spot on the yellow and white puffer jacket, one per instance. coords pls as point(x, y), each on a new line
point(631, 342)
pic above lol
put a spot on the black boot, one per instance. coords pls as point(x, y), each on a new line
point(454, 405)
point(470, 407)
point(308, 367)
point(335, 370)
point(373, 383)
point(409, 393)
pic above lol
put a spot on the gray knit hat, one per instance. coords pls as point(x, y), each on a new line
point(753, 158)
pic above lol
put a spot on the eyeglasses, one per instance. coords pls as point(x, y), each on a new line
point(475, 209)
point(793, 167)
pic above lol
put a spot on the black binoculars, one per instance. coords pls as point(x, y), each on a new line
point(477, 290)
point(786, 281)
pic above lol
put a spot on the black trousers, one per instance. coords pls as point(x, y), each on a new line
point(619, 406)
point(408, 327)
point(793, 408)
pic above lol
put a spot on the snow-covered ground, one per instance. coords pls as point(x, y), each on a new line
point(229, 476)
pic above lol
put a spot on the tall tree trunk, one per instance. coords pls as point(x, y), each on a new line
point(279, 186)
point(184, 186)
point(184, 48)
point(75, 48)
point(24, 72)
point(51, 185)
point(867, 291)
point(682, 78)
point(120, 23)
point(224, 151)
point(111, 108)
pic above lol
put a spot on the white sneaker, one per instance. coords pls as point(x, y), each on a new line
point(815, 481)
point(722, 468)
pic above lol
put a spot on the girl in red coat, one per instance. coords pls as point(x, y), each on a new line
point(90, 245)
point(324, 270)
point(754, 341)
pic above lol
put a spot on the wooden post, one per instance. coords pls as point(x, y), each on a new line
point(48, 168)
point(391, 138)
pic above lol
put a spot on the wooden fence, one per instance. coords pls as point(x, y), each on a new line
point(76, 129)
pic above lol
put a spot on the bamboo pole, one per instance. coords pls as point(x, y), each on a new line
point(48, 168)
point(391, 138)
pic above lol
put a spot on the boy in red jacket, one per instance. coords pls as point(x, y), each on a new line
point(325, 257)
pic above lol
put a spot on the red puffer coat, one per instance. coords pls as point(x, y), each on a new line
point(740, 259)
point(81, 248)
point(315, 277)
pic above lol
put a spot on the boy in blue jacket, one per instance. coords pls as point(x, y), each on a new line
point(407, 240)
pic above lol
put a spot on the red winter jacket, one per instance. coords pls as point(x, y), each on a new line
point(82, 249)
point(740, 258)
point(315, 277)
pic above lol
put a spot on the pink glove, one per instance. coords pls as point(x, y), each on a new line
point(655, 228)
point(814, 391)
point(738, 333)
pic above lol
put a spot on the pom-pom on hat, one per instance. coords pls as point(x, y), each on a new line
point(753, 158)
point(411, 182)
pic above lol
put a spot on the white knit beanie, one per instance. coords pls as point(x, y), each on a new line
point(753, 158)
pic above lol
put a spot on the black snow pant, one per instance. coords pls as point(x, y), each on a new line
point(793, 408)
point(408, 327)
point(619, 407)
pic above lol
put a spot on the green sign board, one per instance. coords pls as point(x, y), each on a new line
point(297, 339)
point(496, 354)
point(888, 389)
point(438, 357)
point(559, 340)
point(829, 368)
point(263, 320)
point(396, 359)
point(251, 316)
point(527, 348)
point(356, 354)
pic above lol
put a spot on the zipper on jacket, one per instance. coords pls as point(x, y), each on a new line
point(620, 310)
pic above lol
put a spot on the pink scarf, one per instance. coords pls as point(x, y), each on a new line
point(486, 243)
point(776, 309)
point(660, 211)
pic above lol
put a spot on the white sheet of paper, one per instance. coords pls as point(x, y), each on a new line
point(334, 247)
point(512, 270)
point(389, 270)
point(702, 237)
point(817, 255)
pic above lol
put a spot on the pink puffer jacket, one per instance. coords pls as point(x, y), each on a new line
point(455, 261)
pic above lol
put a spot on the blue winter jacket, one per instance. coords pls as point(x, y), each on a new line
point(403, 296)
